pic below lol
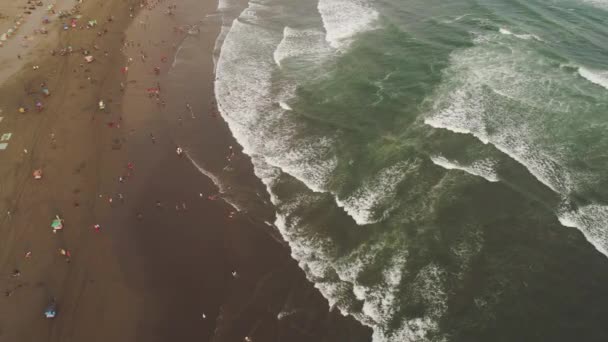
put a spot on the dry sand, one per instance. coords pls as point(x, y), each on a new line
point(151, 272)
point(27, 41)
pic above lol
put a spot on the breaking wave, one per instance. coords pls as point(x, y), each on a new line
point(521, 103)
point(343, 19)
point(298, 43)
point(482, 168)
point(595, 76)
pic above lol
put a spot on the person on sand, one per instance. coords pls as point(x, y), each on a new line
point(97, 228)
point(66, 253)
point(191, 111)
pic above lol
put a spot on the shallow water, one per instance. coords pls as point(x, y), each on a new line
point(437, 169)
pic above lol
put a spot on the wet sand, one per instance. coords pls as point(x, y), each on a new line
point(152, 270)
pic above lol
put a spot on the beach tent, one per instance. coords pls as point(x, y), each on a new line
point(89, 59)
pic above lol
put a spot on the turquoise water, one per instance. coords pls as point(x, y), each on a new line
point(438, 169)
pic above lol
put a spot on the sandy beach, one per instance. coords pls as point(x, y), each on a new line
point(149, 250)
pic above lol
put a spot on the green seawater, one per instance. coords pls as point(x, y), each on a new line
point(441, 171)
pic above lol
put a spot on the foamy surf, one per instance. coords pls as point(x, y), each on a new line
point(285, 105)
point(595, 76)
point(315, 255)
point(592, 221)
point(481, 168)
point(363, 224)
point(602, 4)
point(300, 43)
point(491, 96)
point(374, 195)
point(524, 36)
point(222, 188)
point(343, 19)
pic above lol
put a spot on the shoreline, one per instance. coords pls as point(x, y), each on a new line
point(150, 273)
point(250, 247)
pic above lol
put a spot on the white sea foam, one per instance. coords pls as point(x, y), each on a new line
point(380, 302)
point(219, 41)
point(380, 189)
point(176, 56)
point(480, 168)
point(247, 102)
point(222, 188)
point(297, 43)
point(223, 5)
point(518, 101)
point(451, 21)
point(427, 288)
point(285, 105)
point(247, 99)
point(603, 4)
point(505, 31)
point(592, 221)
point(595, 76)
point(524, 36)
point(343, 19)
point(485, 80)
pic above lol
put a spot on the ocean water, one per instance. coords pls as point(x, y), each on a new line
point(438, 168)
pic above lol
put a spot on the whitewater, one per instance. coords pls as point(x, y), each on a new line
point(399, 141)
